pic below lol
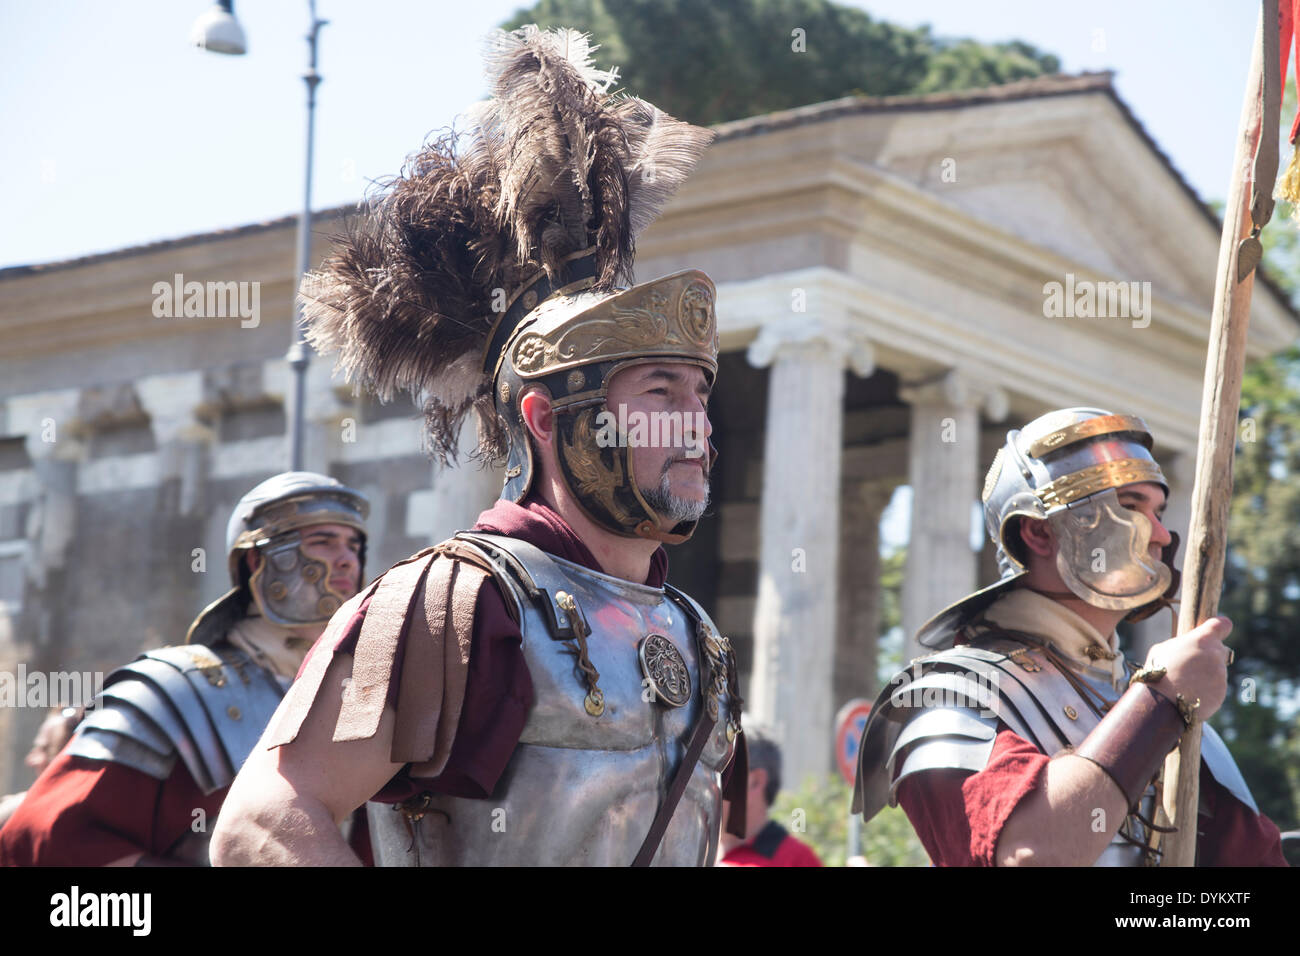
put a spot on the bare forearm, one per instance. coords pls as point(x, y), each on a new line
point(291, 831)
point(1067, 822)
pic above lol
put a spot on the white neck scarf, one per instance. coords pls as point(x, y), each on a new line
point(278, 648)
point(1072, 636)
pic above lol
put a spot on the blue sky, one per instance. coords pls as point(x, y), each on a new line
point(117, 132)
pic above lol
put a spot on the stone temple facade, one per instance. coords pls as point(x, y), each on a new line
point(885, 271)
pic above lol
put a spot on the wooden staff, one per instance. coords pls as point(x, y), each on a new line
point(1246, 212)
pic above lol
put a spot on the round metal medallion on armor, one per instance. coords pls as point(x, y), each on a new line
point(665, 670)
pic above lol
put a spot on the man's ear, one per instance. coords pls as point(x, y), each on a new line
point(1037, 537)
point(252, 559)
point(535, 406)
point(758, 778)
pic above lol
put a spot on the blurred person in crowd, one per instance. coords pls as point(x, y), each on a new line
point(766, 842)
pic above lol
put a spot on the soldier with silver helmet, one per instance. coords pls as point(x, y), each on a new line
point(1028, 739)
point(143, 778)
point(540, 659)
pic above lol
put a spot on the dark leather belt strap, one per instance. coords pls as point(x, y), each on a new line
point(698, 739)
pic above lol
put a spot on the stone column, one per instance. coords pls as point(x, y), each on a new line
point(794, 619)
point(944, 472)
point(173, 403)
point(857, 630)
point(53, 440)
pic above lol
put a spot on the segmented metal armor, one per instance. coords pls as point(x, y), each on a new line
point(206, 703)
point(943, 712)
point(1066, 468)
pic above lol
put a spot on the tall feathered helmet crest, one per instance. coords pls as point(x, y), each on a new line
point(498, 261)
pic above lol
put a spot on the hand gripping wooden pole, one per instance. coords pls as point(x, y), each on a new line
point(1248, 208)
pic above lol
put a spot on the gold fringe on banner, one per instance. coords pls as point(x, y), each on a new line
point(1288, 185)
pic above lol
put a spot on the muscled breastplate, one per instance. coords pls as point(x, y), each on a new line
point(613, 712)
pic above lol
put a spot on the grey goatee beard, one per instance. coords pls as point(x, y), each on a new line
point(670, 506)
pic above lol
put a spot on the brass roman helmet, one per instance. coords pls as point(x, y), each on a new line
point(571, 346)
point(501, 262)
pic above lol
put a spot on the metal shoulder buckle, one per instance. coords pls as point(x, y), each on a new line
point(1021, 658)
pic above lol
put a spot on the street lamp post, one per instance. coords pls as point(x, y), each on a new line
point(219, 31)
point(299, 351)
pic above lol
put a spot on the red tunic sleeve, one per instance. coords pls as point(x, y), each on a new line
point(498, 695)
point(958, 815)
point(84, 812)
point(1234, 834)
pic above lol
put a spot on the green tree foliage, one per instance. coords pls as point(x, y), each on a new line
point(708, 61)
point(817, 813)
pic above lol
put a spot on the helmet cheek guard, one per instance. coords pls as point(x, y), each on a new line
point(288, 586)
point(571, 345)
point(292, 588)
point(1103, 554)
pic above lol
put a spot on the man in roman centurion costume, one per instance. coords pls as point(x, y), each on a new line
point(1028, 738)
point(145, 774)
point(539, 660)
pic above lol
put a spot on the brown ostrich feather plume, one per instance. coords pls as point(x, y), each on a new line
point(551, 164)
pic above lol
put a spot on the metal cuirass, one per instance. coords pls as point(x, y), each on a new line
point(592, 766)
point(944, 711)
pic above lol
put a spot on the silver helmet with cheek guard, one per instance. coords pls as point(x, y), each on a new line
point(1066, 467)
point(288, 586)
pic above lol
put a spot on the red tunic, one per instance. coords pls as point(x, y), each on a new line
point(84, 812)
point(959, 815)
point(772, 846)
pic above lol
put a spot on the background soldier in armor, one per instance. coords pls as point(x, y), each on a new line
point(541, 659)
point(144, 776)
point(1029, 739)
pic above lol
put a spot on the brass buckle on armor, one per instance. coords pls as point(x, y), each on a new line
point(208, 664)
point(594, 702)
point(1021, 657)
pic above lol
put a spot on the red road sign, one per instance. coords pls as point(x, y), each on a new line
point(848, 734)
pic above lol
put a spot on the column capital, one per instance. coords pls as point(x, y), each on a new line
point(173, 403)
point(49, 422)
point(870, 495)
point(833, 340)
point(961, 388)
point(328, 401)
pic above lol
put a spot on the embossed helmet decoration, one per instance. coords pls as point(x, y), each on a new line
point(288, 587)
point(1066, 467)
point(499, 262)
